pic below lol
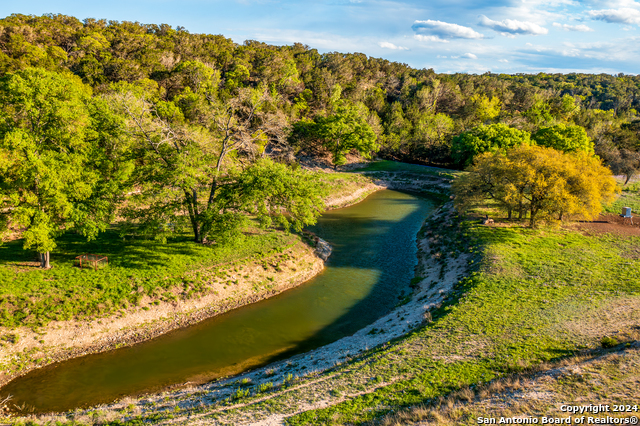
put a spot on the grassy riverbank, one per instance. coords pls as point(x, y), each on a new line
point(536, 296)
point(535, 301)
point(148, 288)
point(530, 301)
point(137, 268)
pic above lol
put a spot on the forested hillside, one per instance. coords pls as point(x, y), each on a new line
point(322, 100)
point(177, 164)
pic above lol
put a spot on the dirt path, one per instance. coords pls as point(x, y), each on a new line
point(610, 223)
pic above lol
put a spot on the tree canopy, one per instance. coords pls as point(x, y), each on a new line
point(273, 192)
point(55, 157)
point(491, 138)
point(414, 113)
point(345, 129)
point(173, 117)
point(567, 138)
point(546, 183)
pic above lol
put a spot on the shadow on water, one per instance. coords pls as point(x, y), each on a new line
point(394, 257)
point(373, 258)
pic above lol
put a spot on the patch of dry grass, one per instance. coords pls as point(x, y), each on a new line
point(601, 377)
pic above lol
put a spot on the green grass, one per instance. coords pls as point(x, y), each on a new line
point(629, 197)
point(524, 305)
point(532, 295)
point(31, 296)
point(340, 184)
point(395, 166)
point(137, 267)
point(337, 185)
point(339, 178)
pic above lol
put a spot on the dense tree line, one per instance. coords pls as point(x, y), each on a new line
point(188, 125)
point(413, 113)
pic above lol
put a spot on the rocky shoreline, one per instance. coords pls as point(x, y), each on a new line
point(325, 357)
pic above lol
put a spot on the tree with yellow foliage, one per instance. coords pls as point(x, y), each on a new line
point(543, 182)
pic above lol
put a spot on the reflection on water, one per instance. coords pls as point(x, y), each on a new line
point(372, 262)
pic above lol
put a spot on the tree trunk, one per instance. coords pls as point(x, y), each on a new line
point(44, 260)
point(193, 216)
point(197, 238)
point(196, 233)
point(532, 219)
point(521, 209)
point(510, 214)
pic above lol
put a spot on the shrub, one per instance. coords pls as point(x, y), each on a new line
point(608, 342)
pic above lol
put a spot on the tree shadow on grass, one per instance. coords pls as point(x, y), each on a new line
point(372, 263)
point(129, 254)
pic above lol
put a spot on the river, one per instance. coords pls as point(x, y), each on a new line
point(374, 254)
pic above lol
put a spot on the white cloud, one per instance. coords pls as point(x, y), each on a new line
point(445, 30)
point(512, 27)
point(437, 39)
point(624, 15)
point(466, 55)
point(608, 52)
point(580, 28)
point(320, 40)
point(504, 61)
point(387, 45)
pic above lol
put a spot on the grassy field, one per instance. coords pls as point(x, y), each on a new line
point(394, 166)
point(629, 197)
point(339, 185)
point(137, 267)
point(536, 296)
point(605, 376)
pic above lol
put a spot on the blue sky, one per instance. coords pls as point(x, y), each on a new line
point(510, 36)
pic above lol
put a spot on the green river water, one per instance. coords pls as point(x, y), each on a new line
point(374, 254)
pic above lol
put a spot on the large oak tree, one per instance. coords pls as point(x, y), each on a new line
point(196, 153)
point(547, 183)
point(60, 163)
